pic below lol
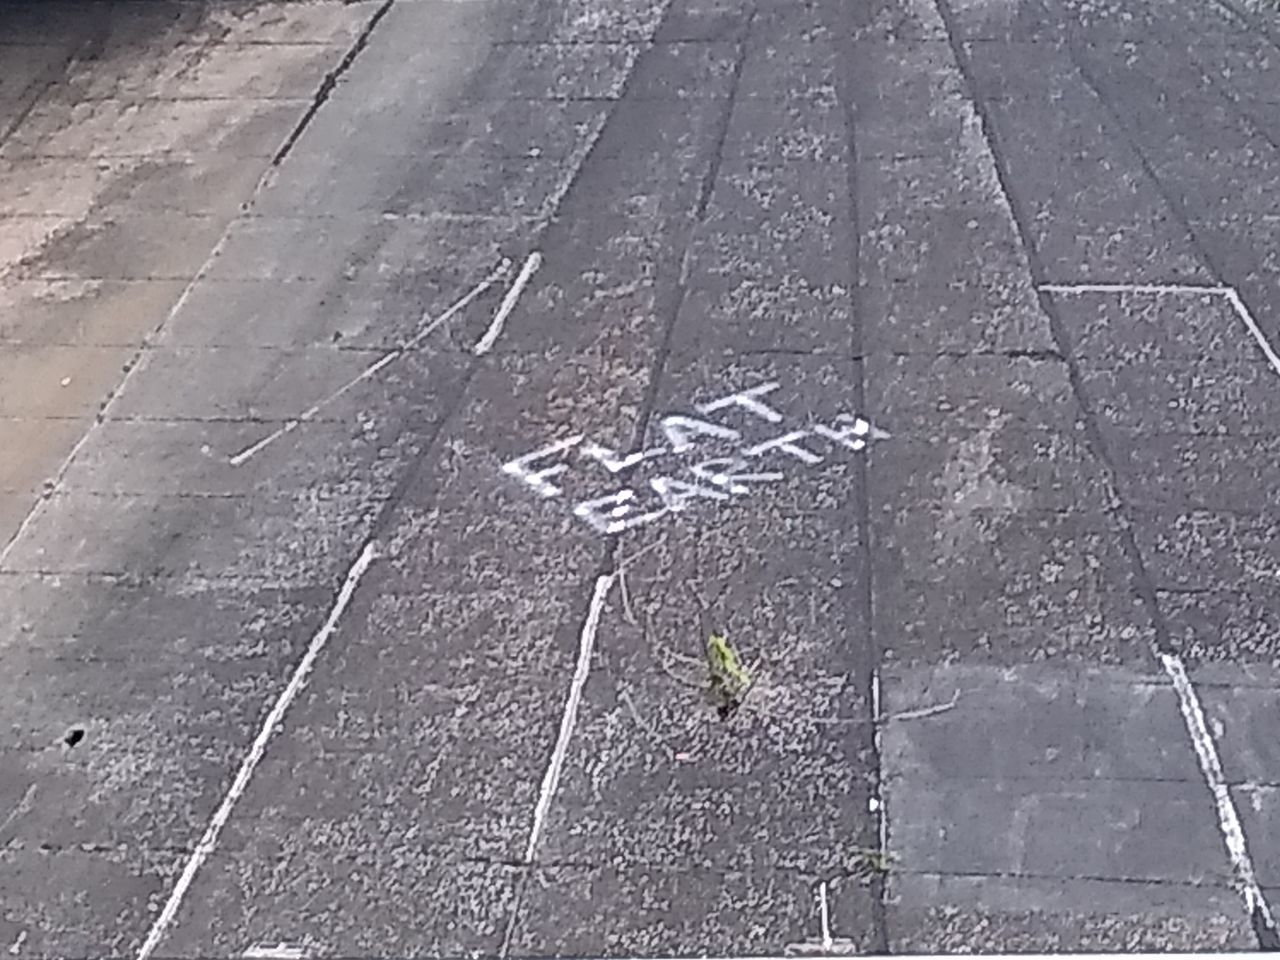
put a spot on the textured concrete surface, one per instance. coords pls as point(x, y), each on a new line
point(1008, 633)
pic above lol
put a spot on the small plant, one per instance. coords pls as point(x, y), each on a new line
point(868, 861)
point(730, 680)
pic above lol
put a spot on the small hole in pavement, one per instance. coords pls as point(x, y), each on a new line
point(74, 736)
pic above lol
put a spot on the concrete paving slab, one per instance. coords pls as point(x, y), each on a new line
point(1232, 626)
point(1241, 707)
point(374, 312)
point(287, 248)
point(1062, 841)
point(1199, 397)
point(84, 534)
point(102, 898)
point(917, 396)
point(85, 312)
point(1073, 724)
point(641, 911)
point(191, 458)
point(992, 470)
point(205, 68)
point(216, 383)
point(1121, 229)
point(58, 381)
point(1000, 586)
point(345, 897)
point(1206, 550)
point(1021, 914)
point(128, 128)
point(1192, 472)
point(335, 22)
point(23, 439)
point(1177, 326)
point(130, 247)
point(908, 99)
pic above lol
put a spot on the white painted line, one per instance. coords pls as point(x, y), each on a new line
point(531, 265)
point(1211, 768)
point(1243, 313)
point(551, 780)
point(248, 452)
point(308, 414)
point(1069, 289)
point(825, 911)
point(875, 802)
point(256, 751)
point(279, 951)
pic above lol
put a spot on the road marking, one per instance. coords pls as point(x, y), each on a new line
point(551, 780)
point(1231, 294)
point(308, 414)
point(1211, 767)
point(279, 951)
point(825, 912)
point(259, 746)
point(531, 265)
point(1069, 289)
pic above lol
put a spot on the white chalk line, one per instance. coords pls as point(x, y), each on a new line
point(508, 305)
point(825, 911)
point(209, 841)
point(370, 371)
point(551, 779)
point(1068, 289)
point(1211, 768)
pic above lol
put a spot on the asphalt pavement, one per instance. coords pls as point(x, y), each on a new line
point(396, 396)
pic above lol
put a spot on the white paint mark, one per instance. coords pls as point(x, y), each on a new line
point(278, 951)
point(681, 431)
point(551, 780)
point(22, 808)
point(614, 462)
point(531, 265)
point(573, 163)
point(209, 841)
point(825, 912)
point(620, 514)
point(787, 443)
point(1263, 343)
point(876, 803)
point(249, 452)
point(1211, 768)
point(537, 479)
point(676, 494)
point(1070, 289)
point(309, 414)
point(15, 948)
point(746, 399)
point(729, 472)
